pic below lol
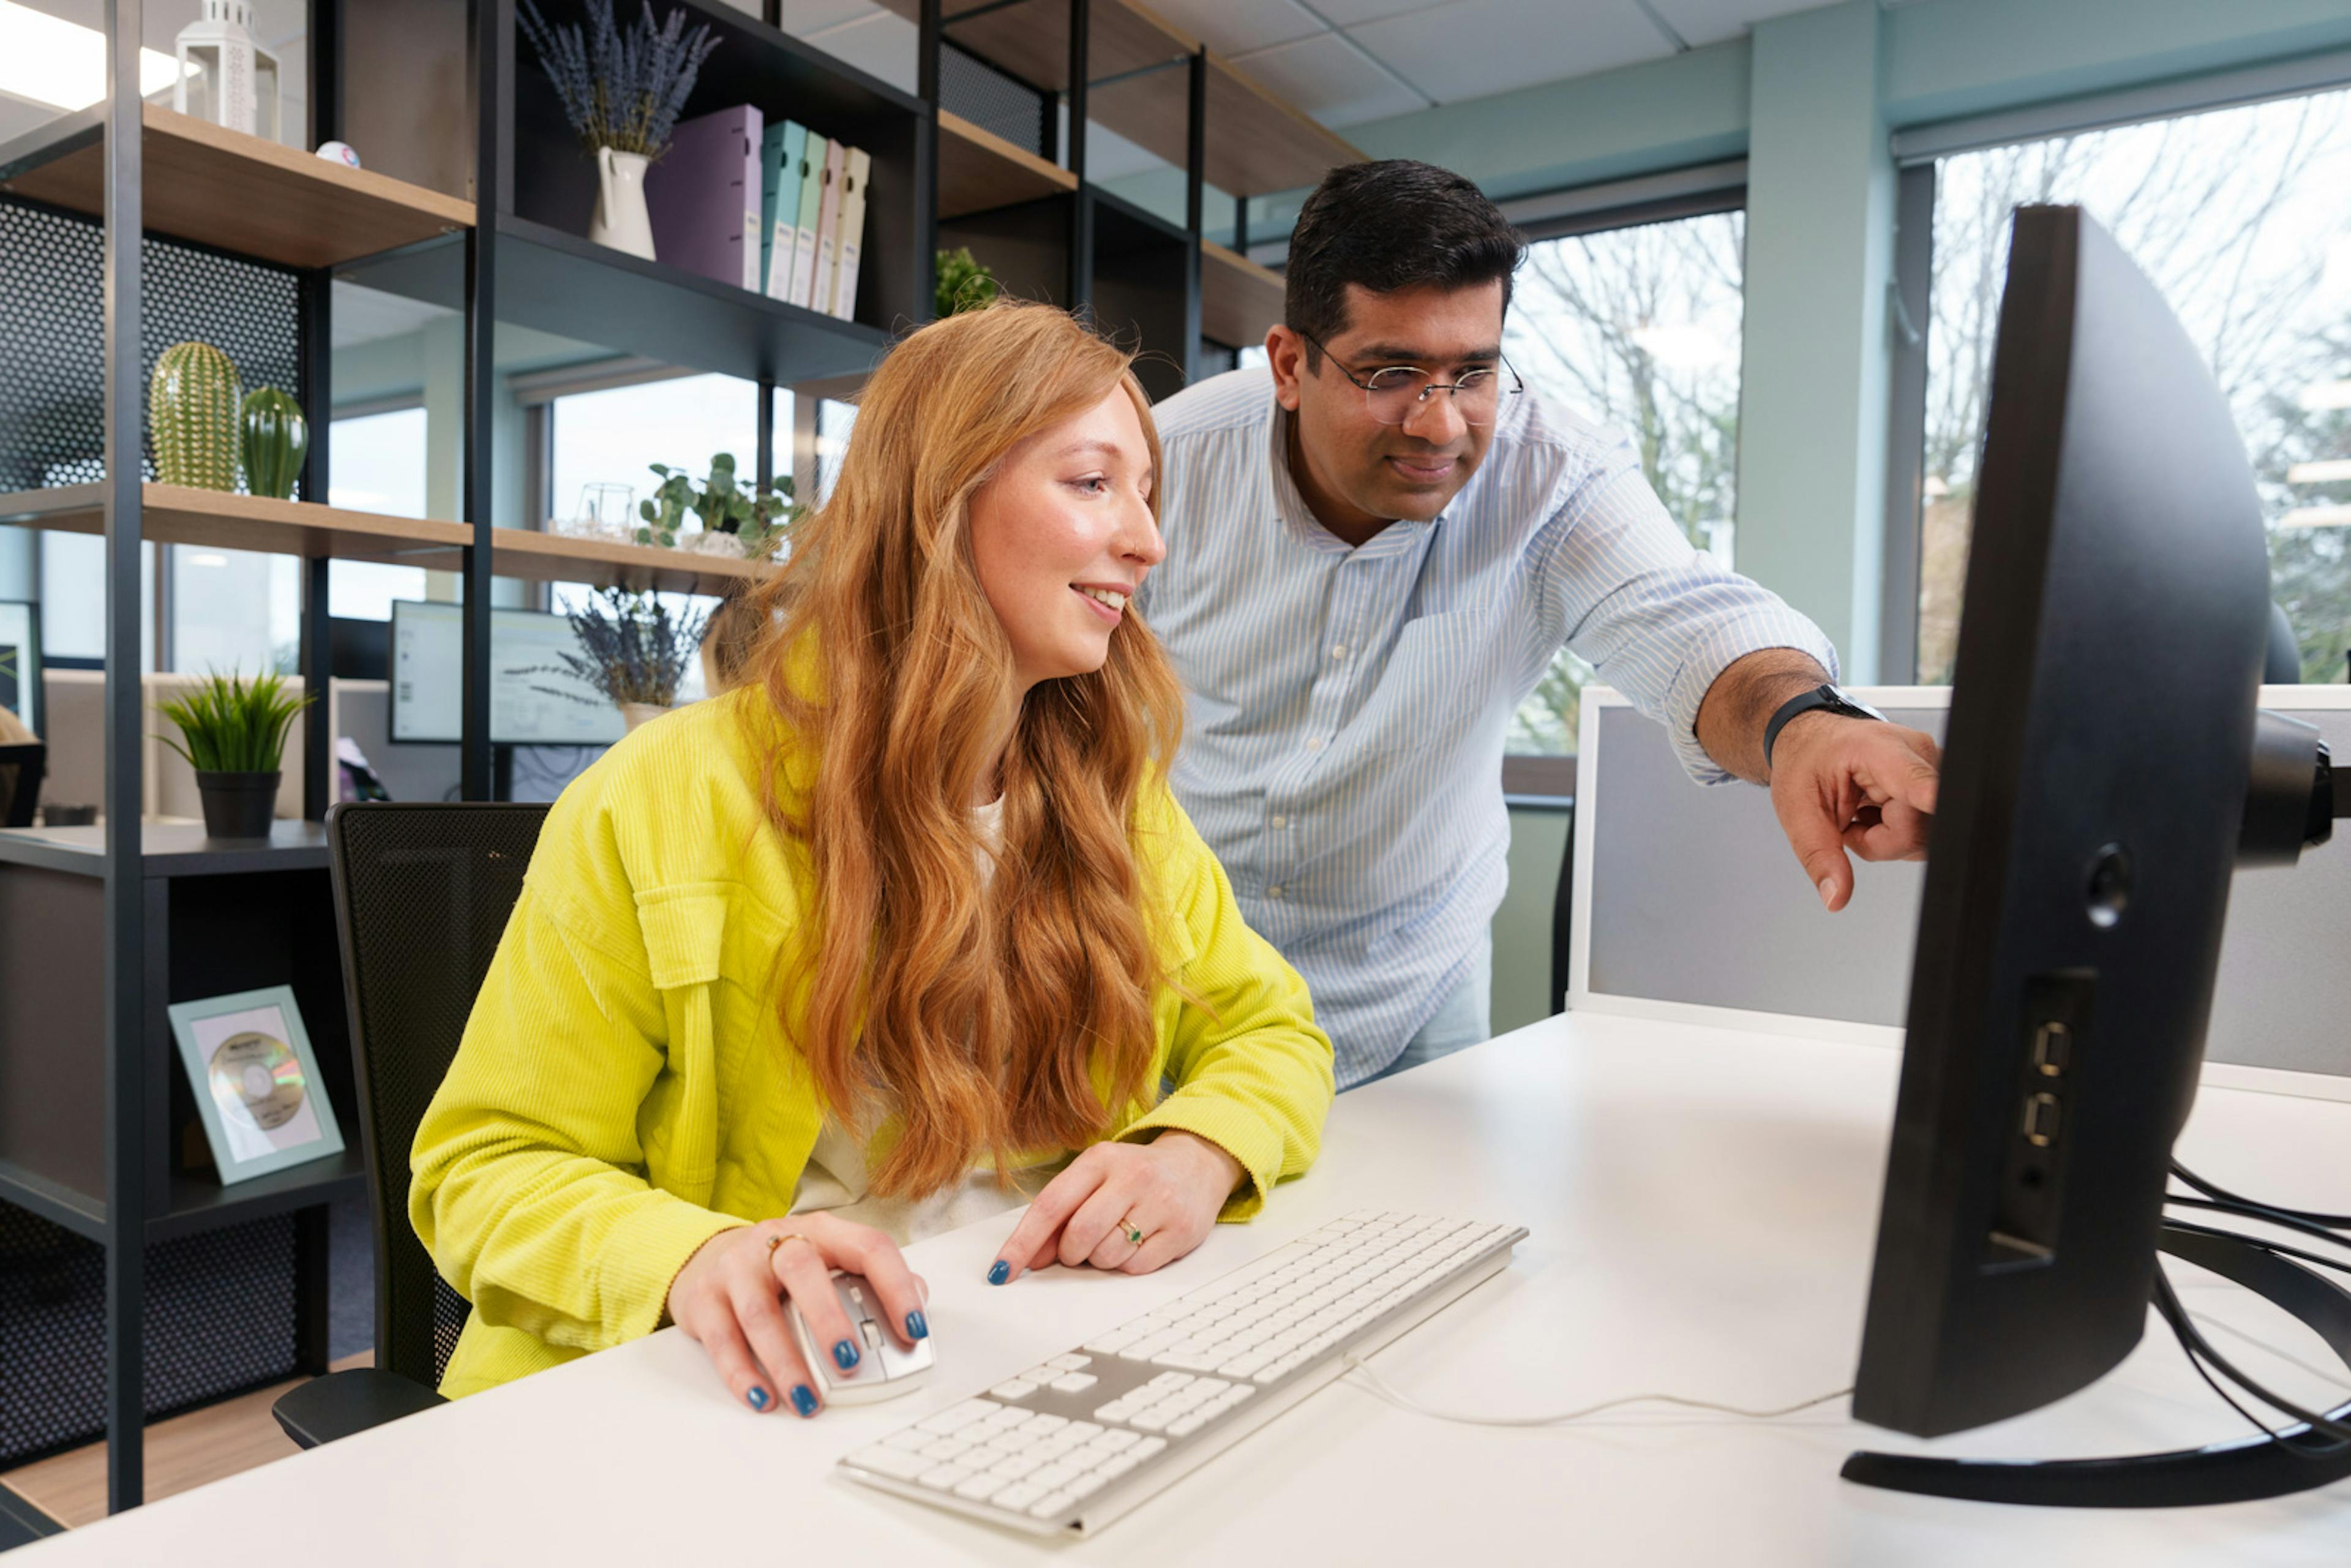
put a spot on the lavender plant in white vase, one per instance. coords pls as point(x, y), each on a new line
point(621, 92)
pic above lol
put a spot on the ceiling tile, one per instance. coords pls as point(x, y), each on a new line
point(1325, 77)
point(1701, 22)
point(1518, 44)
point(802, 17)
point(1347, 13)
point(1236, 26)
point(880, 44)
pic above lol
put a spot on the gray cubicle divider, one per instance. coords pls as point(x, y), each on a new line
point(1689, 896)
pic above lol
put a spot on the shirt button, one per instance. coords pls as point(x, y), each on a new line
point(1338, 650)
point(1280, 823)
point(1274, 892)
point(1313, 743)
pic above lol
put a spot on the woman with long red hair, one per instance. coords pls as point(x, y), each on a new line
point(865, 948)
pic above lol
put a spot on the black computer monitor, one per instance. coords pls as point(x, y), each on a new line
point(20, 663)
point(2093, 804)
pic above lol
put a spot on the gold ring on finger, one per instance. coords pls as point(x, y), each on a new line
point(779, 1240)
point(1134, 1232)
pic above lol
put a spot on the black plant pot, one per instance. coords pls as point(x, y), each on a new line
point(238, 805)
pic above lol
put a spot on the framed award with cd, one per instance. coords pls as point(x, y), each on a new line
point(256, 1082)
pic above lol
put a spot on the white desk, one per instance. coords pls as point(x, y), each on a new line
point(1703, 1203)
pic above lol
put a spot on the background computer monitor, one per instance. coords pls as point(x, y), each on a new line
point(2093, 790)
point(20, 663)
point(533, 700)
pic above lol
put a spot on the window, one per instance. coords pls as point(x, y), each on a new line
point(1638, 328)
point(612, 436)
point(2240, 219)
point(376, 464)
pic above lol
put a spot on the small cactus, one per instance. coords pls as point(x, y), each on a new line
point(192, 414)
point(276, 437)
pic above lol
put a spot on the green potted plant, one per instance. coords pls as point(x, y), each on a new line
point(632, 652)
point(755, 515)
point(965, 282)
point(232, 733)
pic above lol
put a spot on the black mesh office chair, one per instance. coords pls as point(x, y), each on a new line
point(422, 895)
point(1562, 920)
point(20, 782)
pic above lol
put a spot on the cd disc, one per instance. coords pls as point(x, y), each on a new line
point(256, 1080)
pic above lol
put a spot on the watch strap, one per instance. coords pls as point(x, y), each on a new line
point(1825, 696)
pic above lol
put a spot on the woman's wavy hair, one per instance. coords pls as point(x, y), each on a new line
point(1010, 1011)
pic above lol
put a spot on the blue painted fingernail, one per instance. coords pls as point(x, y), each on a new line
point(998, 1271)
point(916, 1327)
point(803, 1401)
point(759, 1398)
point(845, 1353)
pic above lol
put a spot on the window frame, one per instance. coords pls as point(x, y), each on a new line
point(1537, 780)
point(1918, 151)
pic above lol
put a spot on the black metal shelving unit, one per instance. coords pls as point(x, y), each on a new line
point(493, 216)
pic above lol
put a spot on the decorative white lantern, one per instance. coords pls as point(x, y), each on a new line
point(224, 76)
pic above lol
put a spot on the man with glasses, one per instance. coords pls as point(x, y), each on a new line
point(1375, 545)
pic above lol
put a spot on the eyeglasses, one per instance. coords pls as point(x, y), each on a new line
point(1396, 393)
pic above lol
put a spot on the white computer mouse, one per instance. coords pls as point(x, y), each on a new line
point(883, 1370)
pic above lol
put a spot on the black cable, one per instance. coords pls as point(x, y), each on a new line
point(2265, 1215)
point(2210, 1189)
point(2177, 1316)
point(2279, 1247)
point(2272, 1433)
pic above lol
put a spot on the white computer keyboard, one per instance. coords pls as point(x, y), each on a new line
point(1081, 1437)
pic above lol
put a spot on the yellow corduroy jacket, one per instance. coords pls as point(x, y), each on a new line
point(620, 1096)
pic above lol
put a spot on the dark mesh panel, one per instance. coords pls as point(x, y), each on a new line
point(970, 87)
point(220, 1319)
point(423, 891)
point(52, 349)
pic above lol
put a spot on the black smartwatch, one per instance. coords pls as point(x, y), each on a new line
point(1827, 697)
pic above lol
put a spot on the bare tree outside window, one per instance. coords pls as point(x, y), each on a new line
point(1638, 329)
point(2242, 217)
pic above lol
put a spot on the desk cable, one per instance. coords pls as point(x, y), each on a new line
point(1382, 1388)
point(2208, 1361)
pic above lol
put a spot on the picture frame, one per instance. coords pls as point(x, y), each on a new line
point(256, 1082)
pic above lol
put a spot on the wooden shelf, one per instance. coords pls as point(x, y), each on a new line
point(1256, 144)
point(175, 514)
point(560, 557)
point(980, 170)
point(172, 514)
point(1240, 301)
point(235, 192)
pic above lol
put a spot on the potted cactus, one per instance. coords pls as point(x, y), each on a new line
point(232, 733)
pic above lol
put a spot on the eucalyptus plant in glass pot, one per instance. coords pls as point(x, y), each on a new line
point(632, 652)
point(232, 733)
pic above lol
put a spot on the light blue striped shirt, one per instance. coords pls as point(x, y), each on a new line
point(1348, 704)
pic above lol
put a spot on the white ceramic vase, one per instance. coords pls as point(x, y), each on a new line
point(621, 220)
point(634, 714)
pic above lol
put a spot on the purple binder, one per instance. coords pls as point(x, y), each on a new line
point(702, 195)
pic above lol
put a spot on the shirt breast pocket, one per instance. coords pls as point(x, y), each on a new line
point(1438, 681)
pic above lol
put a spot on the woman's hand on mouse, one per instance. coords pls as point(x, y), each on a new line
point(1170, 1189)
point(730, 1300)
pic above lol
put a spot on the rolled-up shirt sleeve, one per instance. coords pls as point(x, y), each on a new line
point(1621, 585)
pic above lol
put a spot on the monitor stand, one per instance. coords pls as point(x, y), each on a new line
point(2234, 1470)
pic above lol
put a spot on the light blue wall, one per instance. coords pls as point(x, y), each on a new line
point(1809, 100)
point(1812, 407)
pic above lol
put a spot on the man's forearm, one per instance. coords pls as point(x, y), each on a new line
point(1741, 701)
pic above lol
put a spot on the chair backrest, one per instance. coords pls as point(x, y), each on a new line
point(1563, 921)
point(422, 895)
point(20, 783)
